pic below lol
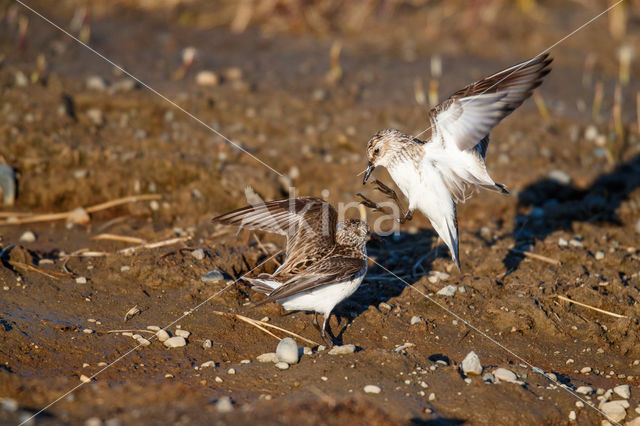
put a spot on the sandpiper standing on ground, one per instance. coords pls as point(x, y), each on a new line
point(438, 173)
point(325, 261)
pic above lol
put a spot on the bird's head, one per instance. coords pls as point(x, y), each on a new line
point(382, 147)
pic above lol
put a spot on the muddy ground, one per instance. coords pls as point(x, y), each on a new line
point(73, 145)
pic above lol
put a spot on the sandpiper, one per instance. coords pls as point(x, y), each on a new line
point(437, 173)
point(325, 260)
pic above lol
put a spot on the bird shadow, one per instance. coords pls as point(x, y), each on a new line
point(554, 205)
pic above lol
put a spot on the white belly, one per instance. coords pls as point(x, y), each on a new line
point(324, 298)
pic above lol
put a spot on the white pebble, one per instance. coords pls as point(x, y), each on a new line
point(307, 350)
point(372, 389)
point(415, 320)
point(218, 379)
point(198, 254)
point(471, 365)
point(623, 391)
point(585, 390)
point(81, 280)
point(432, 396)
point(125, 268)
point(614, 410)
point(9, 404)
point(224, 405)
point(585, 370)
point(572, 416)
point(268, 357)
point(231, 371)
point(153, 328)
point(207, 364)
point(505, 375)
point(207, 78)
point(87, 331)
point(175, 342)
point(282, 365)
point(342, 350)
point(183, 333)
point(448, 290)
point(287, 351)
point(212, 277)
point(162, 335)
point(84, 379)
point(79, 216)
point(28, 237)
point(599, 255)
point(142, 341)
point(207, 344)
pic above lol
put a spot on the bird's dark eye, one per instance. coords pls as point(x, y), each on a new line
point(376, 151)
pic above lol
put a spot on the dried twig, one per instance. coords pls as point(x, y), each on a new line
point(28, 267)
point(130, 250)
point(123, 238)
point(537, 257)
point(566, 299)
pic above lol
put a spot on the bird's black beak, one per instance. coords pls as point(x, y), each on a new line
point(367, 173)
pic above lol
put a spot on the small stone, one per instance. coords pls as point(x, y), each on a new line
point(81, 280)
point(93, 421)
point(372, 389)
point(384, 307)
point(78, 216)
point(231, 371)
point(212, 277)
point(560, 177)
point(599, 255)
point(182, 333)
point(125, 268)
point(95, 115)
point(245, 361)
point(96, 83)
point(432, 396)
point(9, 404)
point(585, 370)
point(488, 378)
point(207, 344)
point(207, 78)
point(268, 357)
point(282, 365)
point(623, 391)
point(153, 328)
point(342, 350)
point(218, 379)
point(562, 242)
point(415, 320)
point(287, 351)
point(224, 405)
point(208, 364)
point(307, 350)
point(84, 379)
point(579, 404)
point(28, 237)
point(87, 331)
point(142, 341)
point(572, 416)
point(470, 365)
point(614, 410)
point(585, 390)
point(21, 80)
point(7, 184)
point(449, 290)
point(124, 85)
point(321, 348)
point(162, 335)
point(175, 342)
point(504, 375)
point(198, 254)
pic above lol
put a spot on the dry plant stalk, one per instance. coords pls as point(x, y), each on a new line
point(122, 238)
point(542, 106)
point(617, 113)
point(566, 299)
point(598, 94)
point(537, 257)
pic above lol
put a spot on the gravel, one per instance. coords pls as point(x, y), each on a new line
point(287, 351)
point(175, 342)
point(372, 389)
point(470, 365)
point(342, 350)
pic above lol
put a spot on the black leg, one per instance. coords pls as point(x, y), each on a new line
point(371, 204)
point(406, 215)
point(325, 335)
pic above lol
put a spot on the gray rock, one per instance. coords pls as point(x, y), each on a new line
point(268, 357)
point(175, 342)
point(449, 290)
point(623, 391)
point(28, 237)
point(224, 405)
point(198, 254)
point(287, 351)
point(282, 365)
point(372, 389)
point(559, 176)
point(342, 350)
point(415, 320)
point(470, 365)
point(504, 375)
point(212, 277)
point(7, 185)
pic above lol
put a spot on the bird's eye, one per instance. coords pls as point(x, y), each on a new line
point(376, 151)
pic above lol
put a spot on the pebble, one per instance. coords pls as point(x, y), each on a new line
point(372, 389)
point(21, 79)
point(268, 357)
point(212, 277)
point(28, 237)
point(436, 276)
point(175, 342)
point(9, 404)
point(183, 333)
point(572, 416)
point(585, 390)
point(307, 350)
point(560, 177)
point(81, 280)
point(198, 254)
point(208, 364)
point(562, 242)
point(93, 421)
point(207, 344)
point(87, 331)
point(224, 405)
point(231, 371)
point(623, 391)
point(585, 370)
point(488, 378)
point(162, 335)
point(470, 365)
point(504, 375)
point(142, 341)
point(124, 85)
point(125, 268)
point(342, 350)
point(384, 306)
point(95, 115)
point(287, 351)
point(282, 365)
point(84, 379)
point(432, 396)
point(614, 410)
point(79, 216)
point(207, 78)
point(7, 184)
point(599, 255)
point(449, 290)
point(218, 379)
point(97, 83)
point(415, 320)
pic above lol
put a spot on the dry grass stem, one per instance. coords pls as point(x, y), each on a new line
point(537, 257)
point(566, 299)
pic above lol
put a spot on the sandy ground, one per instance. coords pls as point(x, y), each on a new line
point(575, 201)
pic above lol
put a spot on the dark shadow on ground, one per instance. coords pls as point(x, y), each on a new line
point(555, 206)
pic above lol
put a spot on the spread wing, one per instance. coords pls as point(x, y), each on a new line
point(327, 271)
point(309, 224)
point(470, 114)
